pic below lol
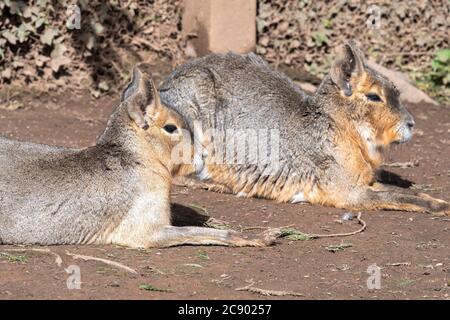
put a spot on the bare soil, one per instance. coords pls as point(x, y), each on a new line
point(411, 249)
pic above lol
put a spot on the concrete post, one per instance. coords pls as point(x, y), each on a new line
point(220, 25)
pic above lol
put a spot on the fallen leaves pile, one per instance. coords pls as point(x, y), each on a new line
point(411, 36)
point(39, 47)
point(403, 34)
point(42, 45)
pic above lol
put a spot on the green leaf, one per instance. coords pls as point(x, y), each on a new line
point(149, 287)
point(39, 22)
point(338, 247)
point(327, 23)
point(22, 33)
point(435, 65)
point(320, 38)
point(443, 55)
point(203, 255)
point(14, 258)
point(295, 235)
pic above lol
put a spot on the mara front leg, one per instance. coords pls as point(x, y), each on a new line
point(386, 197)
point(174, 236)
point(166, 235)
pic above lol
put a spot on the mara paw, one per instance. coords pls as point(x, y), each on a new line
point(263, 239)
point(437, 206)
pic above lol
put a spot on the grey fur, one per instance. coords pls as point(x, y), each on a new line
point(114, 192)
point(52, 195)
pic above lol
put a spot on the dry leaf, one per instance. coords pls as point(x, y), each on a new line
point(58, 62)
point(48, 36)
point(6, 73)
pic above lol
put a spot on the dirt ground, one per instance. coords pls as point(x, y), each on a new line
point(411, 249)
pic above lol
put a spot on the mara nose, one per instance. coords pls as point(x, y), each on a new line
point(410, 123)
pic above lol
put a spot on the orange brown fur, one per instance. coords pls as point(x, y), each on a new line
point(331, 143)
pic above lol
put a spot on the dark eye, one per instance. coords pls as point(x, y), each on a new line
point(373, 97)
point(170, 128)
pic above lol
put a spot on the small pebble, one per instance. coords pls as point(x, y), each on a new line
point(348, 216)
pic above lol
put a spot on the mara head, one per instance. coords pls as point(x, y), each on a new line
point(160, 129)
point(370, 99)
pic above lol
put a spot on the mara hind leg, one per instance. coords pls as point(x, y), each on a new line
point(170, 236)
point(396, 198)
point(205, 185)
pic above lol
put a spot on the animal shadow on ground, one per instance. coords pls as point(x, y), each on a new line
point(394, 179)
point(187, 217)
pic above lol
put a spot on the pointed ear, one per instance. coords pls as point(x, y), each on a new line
point(348, 63)
point(141, 96)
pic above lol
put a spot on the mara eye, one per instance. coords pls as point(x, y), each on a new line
point(373, 97)
point(170, 128)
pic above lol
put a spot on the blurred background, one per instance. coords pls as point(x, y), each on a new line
point(66, 45)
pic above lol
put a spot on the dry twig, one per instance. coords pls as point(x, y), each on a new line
point(345, 234)
point(106, 261)
point(308, 236)
point(264, 292)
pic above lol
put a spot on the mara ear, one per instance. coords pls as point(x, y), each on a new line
point(141, 96)
point(350, 61)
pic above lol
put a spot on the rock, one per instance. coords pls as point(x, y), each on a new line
point(408, 92)
point(306, 86)
point(348, 216)
point(189, 50)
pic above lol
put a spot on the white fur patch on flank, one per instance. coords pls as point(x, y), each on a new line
point(199, 151)
point(241, 194)
point(203, 174)
point(367, 134)
point(198, 162)
point(299, 197)
point(149, 211)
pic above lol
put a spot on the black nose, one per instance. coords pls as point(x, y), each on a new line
point(410, 124)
